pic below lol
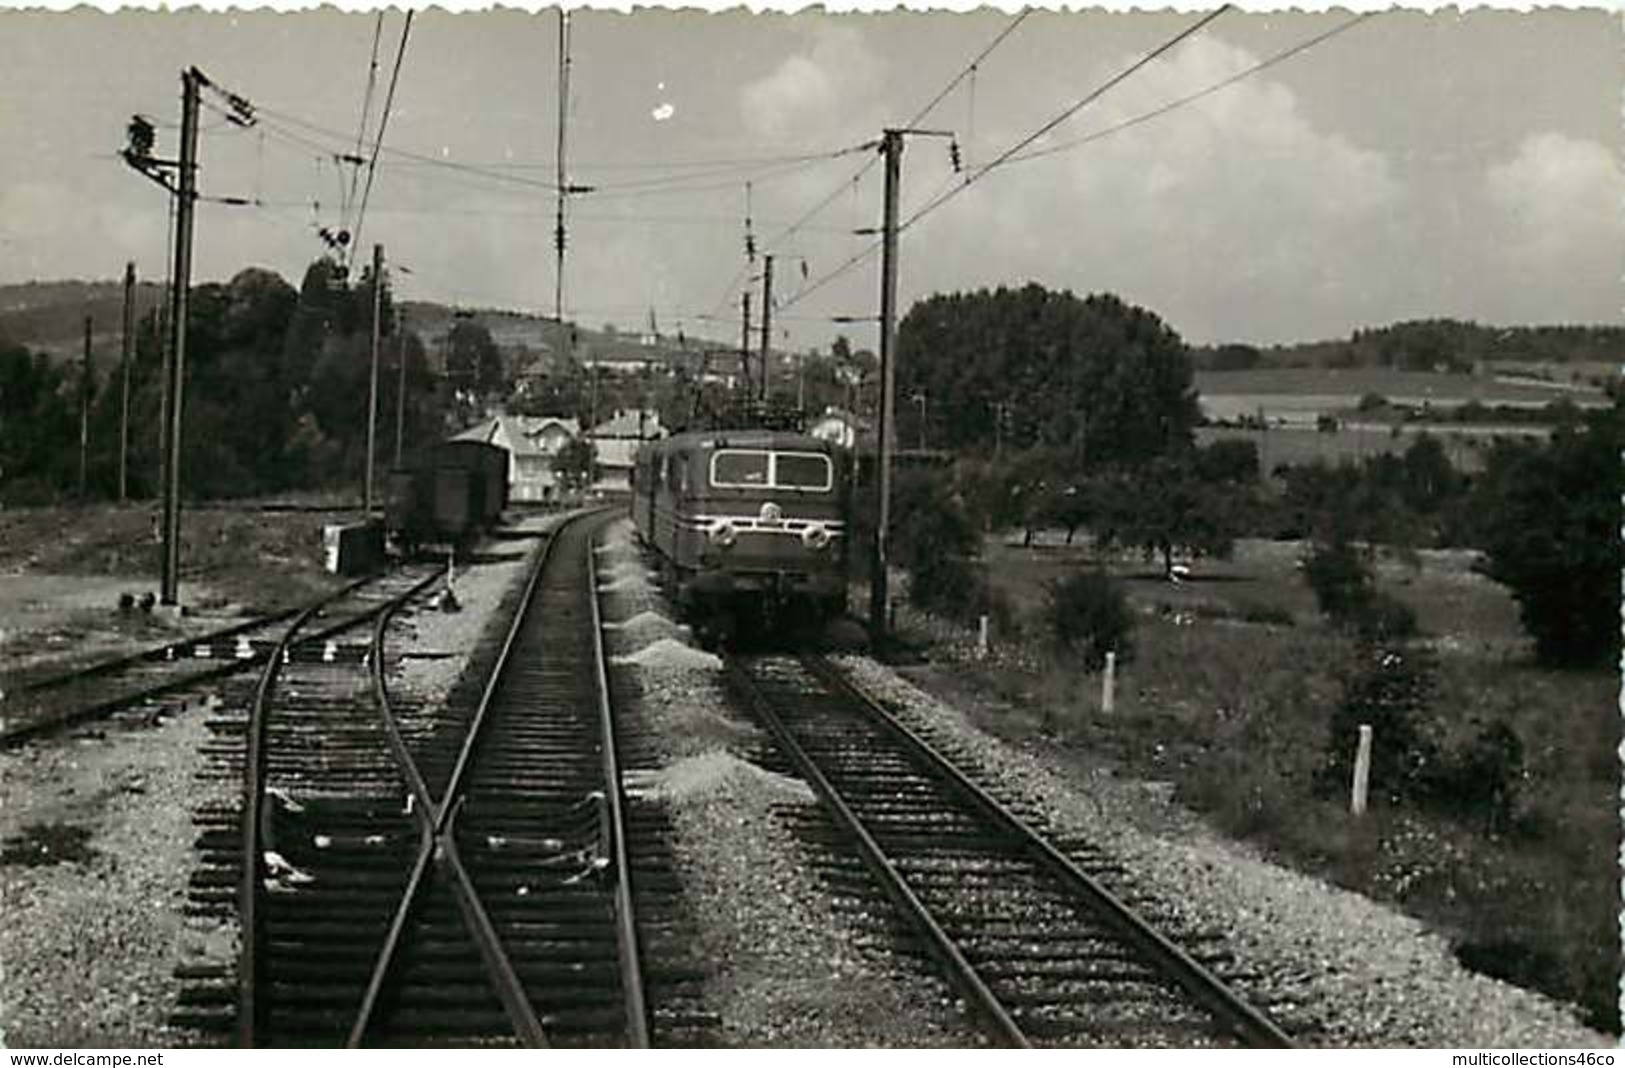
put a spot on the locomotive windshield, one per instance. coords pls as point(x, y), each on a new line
point(759, 469)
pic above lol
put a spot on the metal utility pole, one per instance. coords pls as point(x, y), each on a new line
point(744, 342)
point(400, 386)
point(892, 148)
point(124, 374)
point(372, 381)
point(767, 321)
point(558, 160)
point(175, 366)
point(85, 391)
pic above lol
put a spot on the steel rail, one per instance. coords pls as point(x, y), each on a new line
point(626, 928)
point(437, 845)
point(960, 971)
point(250, 960)
point(108, 706)
point(1249, 1024)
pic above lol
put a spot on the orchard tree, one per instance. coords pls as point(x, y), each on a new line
point(1164, 509)
point(1550, 520)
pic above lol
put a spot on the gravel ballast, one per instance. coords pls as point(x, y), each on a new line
point(1358, 973)
point(783, 967)
point(98, 837)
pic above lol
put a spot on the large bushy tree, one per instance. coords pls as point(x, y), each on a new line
point(1030, 367)
point(1550, 528)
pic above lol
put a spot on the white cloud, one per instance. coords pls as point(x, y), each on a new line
point(1559, 199)
point(813, 92)
point(1224, 215)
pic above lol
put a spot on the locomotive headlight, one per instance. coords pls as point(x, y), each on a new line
point(722, 534)
point(816, 537)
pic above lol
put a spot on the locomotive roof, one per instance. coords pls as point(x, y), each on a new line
point(749, 439)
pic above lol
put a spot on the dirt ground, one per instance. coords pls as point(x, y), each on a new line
point(63, 571)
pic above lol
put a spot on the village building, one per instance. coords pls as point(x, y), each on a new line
point(532, 442)
point(616, 441)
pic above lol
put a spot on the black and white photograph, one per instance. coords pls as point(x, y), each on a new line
point(912, 529)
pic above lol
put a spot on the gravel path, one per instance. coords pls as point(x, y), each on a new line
point(1332, 961)
point(784, 970)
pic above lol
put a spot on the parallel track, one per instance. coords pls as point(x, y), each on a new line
point(49, 705)
point(1039, 949)
point(458, 877)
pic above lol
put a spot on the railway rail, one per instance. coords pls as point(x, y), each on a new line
point(45, 706)
point(458, 874)
point(1039, 949)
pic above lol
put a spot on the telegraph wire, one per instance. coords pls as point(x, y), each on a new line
point(361, 126)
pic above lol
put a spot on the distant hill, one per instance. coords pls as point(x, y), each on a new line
point(1579, 355)
point(49, 317)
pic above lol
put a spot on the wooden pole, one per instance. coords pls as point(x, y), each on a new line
point(124, 375)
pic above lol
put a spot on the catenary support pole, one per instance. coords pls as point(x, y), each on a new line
point(892, 149)
point(127, 352)
point(175, 376)
point(372, 380)
point(86, 389)
point(767, 321)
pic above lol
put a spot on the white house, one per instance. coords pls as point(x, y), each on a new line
point(531, 441)
point(616, 441)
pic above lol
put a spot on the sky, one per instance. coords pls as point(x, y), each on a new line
point(1411, 165)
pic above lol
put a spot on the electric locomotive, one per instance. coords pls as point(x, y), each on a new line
point(750, 526)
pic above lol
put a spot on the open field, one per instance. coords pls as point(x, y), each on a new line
point(1400, 387)
point(1293, 445)
point(62, 571)
point(1234, 712)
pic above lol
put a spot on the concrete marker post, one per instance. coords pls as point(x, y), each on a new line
point(1362, 772)
point(981, 637)
point(1108, 684)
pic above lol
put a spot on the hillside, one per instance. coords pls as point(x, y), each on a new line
point(1584, 355)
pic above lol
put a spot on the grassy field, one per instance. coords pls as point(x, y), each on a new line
point(1439, 389)
point(1235, 714)
point(1295, 445)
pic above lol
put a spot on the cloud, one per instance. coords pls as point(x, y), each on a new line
point(813, 92)
point(1223, 215)
point(1558, 199)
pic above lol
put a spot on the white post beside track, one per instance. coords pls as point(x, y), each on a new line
point(1108, 684)
point(1362, 771)
point(981, 637)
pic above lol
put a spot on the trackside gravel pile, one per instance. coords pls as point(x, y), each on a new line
point(1335, 963)
point(782, 966)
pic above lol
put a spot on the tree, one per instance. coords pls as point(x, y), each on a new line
point(473, 361)
point(575, 465)
point(1093, 377)
point(1550, 532)
point(37, 428)
point(1164, 508)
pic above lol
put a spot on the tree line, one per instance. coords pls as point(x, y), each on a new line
point(1068, 413)
point(274, 398)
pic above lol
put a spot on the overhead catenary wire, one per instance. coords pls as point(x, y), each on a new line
point(383, 125)
point(941, 199)
point(361, 126)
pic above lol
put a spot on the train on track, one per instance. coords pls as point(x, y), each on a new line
point(446, 495)
point(750, 527)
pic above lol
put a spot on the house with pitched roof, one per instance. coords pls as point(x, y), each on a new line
point(532, 441)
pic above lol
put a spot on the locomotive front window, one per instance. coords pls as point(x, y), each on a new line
point(801, 470)
point(745, 468)
point(736, 467)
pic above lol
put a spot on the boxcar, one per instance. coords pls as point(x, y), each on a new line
point(447, 494)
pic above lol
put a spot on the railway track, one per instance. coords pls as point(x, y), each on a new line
point(1040, 951)
point(459, 875)
point(46, 706)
